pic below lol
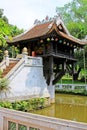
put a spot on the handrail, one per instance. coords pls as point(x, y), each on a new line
point(12, 71)
point(13, 59)
point(71, 87)
point(60, 53)
point(73, 84)
point(26, 61)
point(38, 122)
point(3, 64)
point(34, 61)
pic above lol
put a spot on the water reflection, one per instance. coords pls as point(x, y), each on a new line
point(69, 107)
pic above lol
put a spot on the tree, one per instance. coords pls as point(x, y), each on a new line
point(74, 15)
point(6, 31)
point(3, 17)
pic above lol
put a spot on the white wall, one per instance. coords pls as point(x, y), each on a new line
point(29, 80)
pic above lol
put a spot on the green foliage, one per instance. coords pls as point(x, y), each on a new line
point(75, 92)
point(76, 29)
point(6, 104)
point(4, 88)
point(81, 55)
point(6, 31)
point(1, 55)
point(25, 105)
point(4, 82)
point(1, 73)
point(74, 15)
point(2, 16)
point(70, 81)
point(13, 51)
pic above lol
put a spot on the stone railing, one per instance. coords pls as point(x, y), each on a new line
point(16, 120)
point(60, 54)
point(3, 65)
point(14, 69)
point(26, 61)
point(33, 61)
point(71, 86)
point(6, 62)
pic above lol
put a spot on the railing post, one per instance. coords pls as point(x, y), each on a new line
point(1, 121)
point(6, 57)
point(61, 86)
point(25, 53)
point(27, 128)
point(5, 124)
point(73, 86)
point(16, 126)
point(86, 87)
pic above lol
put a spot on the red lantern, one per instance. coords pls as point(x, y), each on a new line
point(33, 53)
point(56, 39)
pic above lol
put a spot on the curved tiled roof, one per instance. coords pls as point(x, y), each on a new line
point(44, 29)
point(35, 32)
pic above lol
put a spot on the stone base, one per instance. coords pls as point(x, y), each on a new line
point(52, 100)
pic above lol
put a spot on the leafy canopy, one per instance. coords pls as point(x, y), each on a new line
point(6, 31)
point(74, 15)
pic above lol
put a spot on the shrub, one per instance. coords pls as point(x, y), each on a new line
point(26, 105)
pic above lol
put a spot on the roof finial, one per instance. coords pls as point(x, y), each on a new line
point(47, 18)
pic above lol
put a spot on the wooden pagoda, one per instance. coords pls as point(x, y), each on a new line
point(51, 41)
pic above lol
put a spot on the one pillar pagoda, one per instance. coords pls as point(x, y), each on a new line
point(52, 41)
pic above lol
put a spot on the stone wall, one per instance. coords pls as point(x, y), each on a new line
point(26, 78)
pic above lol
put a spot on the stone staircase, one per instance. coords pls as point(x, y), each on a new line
point(8, 68)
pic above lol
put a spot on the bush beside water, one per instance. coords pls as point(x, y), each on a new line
point(78, 90)
point(25, 105)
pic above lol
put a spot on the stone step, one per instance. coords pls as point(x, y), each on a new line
point(8, 68)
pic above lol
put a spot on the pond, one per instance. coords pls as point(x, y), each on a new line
point(71, 107)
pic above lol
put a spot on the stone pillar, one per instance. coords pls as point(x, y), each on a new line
point(51, 87)
point(6, 57)
point(64, 65)
point(25, 53)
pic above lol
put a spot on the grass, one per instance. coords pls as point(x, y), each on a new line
point(69, 81)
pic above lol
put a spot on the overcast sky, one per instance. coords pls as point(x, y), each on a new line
point(24, 12)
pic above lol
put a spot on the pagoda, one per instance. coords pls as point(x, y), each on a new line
point(52, 41)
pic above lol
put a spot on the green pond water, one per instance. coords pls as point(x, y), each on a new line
point(69, 107)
